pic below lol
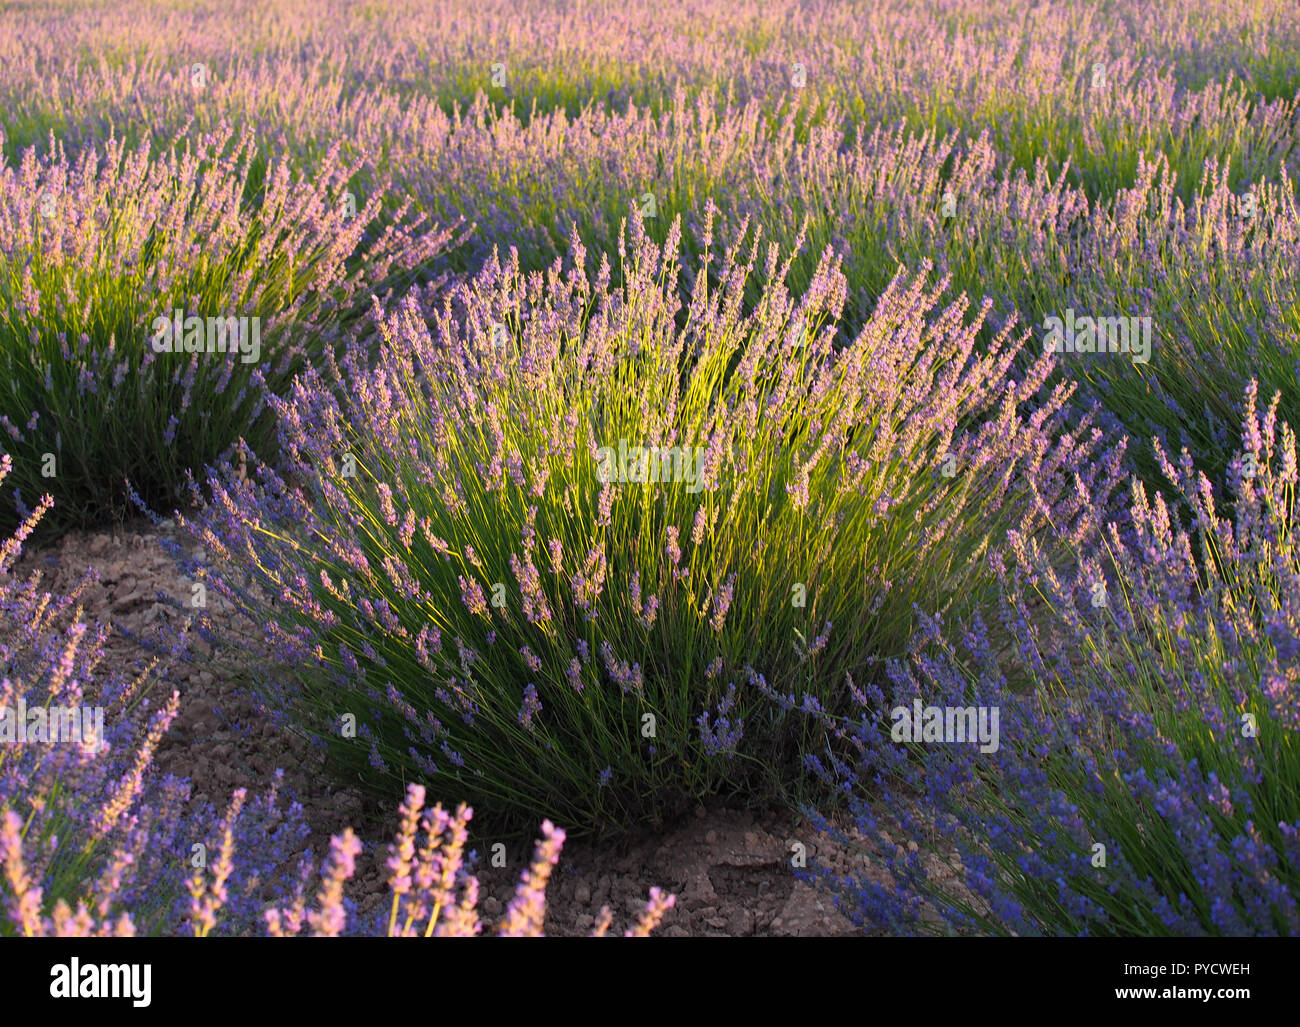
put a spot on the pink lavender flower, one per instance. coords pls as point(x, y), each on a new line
point(207, 899)
point(722, 603)
point(23, 896)
point(471, 594)
point(329, 919)
point(660, 903)
point(401, 857)
point(527, 910)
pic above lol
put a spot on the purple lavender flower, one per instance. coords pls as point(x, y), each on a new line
point(532, 706)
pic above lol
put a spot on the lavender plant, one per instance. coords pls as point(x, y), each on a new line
point(146, 304)
point(520, 552)
point(1146, 777)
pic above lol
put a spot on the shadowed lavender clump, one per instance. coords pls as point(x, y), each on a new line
point(1146, 781)
point(433, 893)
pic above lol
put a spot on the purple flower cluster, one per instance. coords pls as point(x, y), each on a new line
point(721, 736)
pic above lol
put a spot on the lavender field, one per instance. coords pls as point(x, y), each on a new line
point(839, 453)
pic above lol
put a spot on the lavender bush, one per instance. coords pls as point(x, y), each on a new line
point(463, 576)
point(97, 247)
point(1146, 778)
